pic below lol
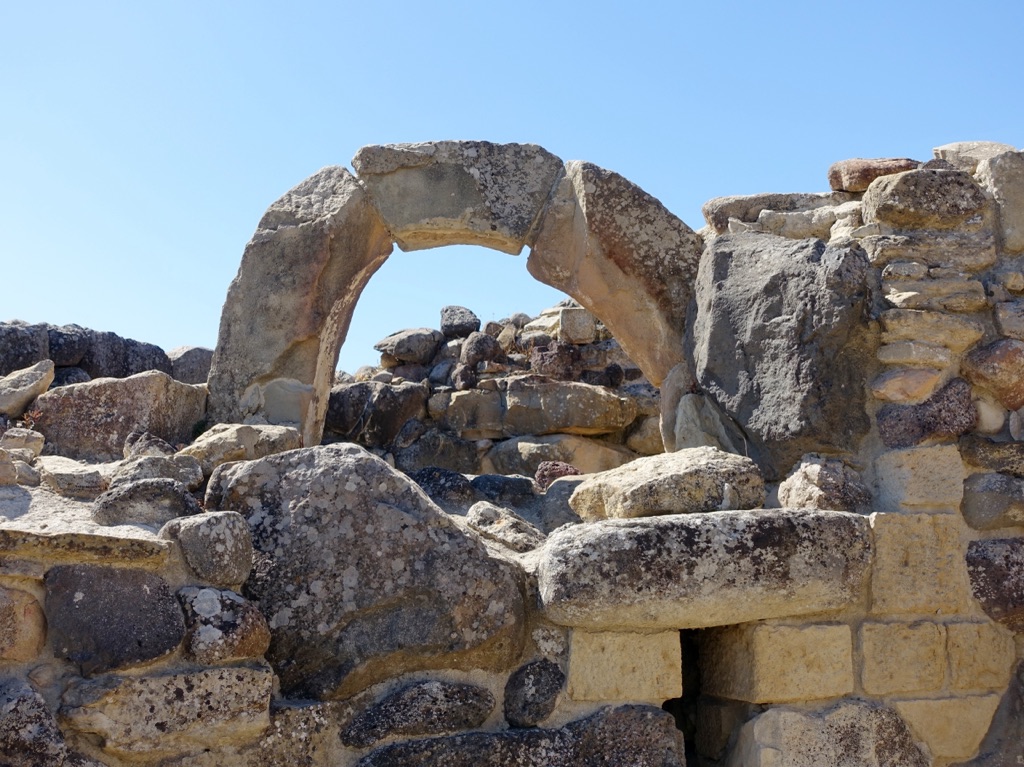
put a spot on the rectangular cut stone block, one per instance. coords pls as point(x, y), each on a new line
point(771, 663)
point(920, 477)
point(902, 657)
point(576, 326)
point(610, 666)
point(981, 656)
point(919, 565)
point(951, 727)
point(701, 570)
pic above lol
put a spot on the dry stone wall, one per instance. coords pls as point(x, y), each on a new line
point(821, 563)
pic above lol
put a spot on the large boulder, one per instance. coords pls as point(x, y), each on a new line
point(700, 570)
point(373, 413)
point(18, 389)
point(794, 314)
point(925, 198)
point(685, 482)
point(91, 421)
point(226, 442)
point(362, 577)
point(563, 407)
point(22, 345)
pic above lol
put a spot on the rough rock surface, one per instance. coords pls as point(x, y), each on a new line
point(821, 482)
point(699, 570)
point(392, 583)
point(947, 414)
point(504, 526)
point(996, 569)
point(416, 346)
point(222, 627)
point(1003, 176)
point(992, 501)
point(217, 545)
point(524, 455)
point(423, 708)
point(685, 482)
point(999, 367)
point(91, 421)
point(548, 471)
point(190, 364)
point(146, 502)
point(225, 442)
point(104, 618)
point(1007, 457)
point(458, 322)
point(373, 413)
point(793, 311)
point(181, 468)
point(919, 199)
point(22, 626)
point(70, 478)
point(29, 736)
point(857, 174)
point(532, 692)
point(18, 389)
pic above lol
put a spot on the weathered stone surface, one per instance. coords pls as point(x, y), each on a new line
point(441, 449)
point(16, 438)
point(822, 482)
point(966, 155)
point(915, 353)
point(996, 570)
point(146, 502)
point(190, 364)
point(217, 545)
point(992, 501)
point(685, 482)
point(644, 436)
point(150, 717)
point(849, 734)
point(776, 663)
point(923, 199)
point(955, 333)
point(623, 256)
point(19, 388)
point(21, 345)
point(374, 413)
point(799, 225)
point(626, 736)
point(222, 627)
point(68, 376)
point(624, 666)
point(450, 490)
point(313, 252)
point(793, 391)
point(22, 626)
point(472, 414)
point(479, 347)
point(919, 477)
point(918, 564)
point(226, 442)
point(947, 414)
point(902, 658)
point(423, 708)
point(696, 421)
point(29, 736)
point(948, 295)
point(999, 367)
point(91, 421)
point(142, 443)
point(1003, 746)
point(8, 471)
point(747, 208)
point(504, 526)
point(548, 471)
point(564, 407)
point(947, 249)
point(458, 322)
point(699, 570)
point(181, 468)
point(1010, 319)
point(1003, 176)
point(416, 346)
point(459, 192)
point(1006, 457)
point(104, 618)
point(906, 386)
point(110, 356)
point(857, 174)
point(981, 656)
point(576, 325)
point(531, 693)
point(952, 728)
point(393, 584)
point(524, 455)
point(70, 478)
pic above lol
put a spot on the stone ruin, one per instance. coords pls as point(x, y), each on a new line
point(754, 496)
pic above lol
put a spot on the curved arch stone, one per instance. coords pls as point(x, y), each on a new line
point(593, 235)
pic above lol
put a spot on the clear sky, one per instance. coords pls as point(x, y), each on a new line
point(141, 142)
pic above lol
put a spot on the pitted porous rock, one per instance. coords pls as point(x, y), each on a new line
point(217, 545)
point(458, 322)
point(701, 570)
point(688, 481)
point(225, 442)
point(415, 346)
point(947, 414)
point(29, 736)
point(146, 502)
point(548, 471)
point(104, 618)
point(504, 526)
point(996, 570)
point(365, 577)
point(450, 490)
point(223, 627)
point(22, 345)
point(423, 708)
point(149, 717)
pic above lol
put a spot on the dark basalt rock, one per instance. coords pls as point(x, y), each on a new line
point(947, 414)
point(458, 322)
point(532, 692)
point(29, 736)
point(145, 501)
point(449, 489)
point(21, 345)
point(373, 413)
point(996, 570)
point(1004, 457)
point(992, 501)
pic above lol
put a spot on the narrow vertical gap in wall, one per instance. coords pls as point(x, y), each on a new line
point(684, 708)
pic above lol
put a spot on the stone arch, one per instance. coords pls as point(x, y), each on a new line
point(592, 234)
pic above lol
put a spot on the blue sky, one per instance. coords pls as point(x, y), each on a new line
point(141, 142)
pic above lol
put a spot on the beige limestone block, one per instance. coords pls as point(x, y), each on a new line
point(856, 175)
point(18, 389)
point(905, 385)
point(919, 565)
point(22, 626)
point(522, 455)
point(1003, 176)
point(950, 295)
point(966, 155)
point(915, 353)
point(991, 415)
point(963, 251)
point(772, 663)
point(902, 657)
point(611, 666)
point(799, 225)
point(952, 331)
point(645, 437)
point(952, 728)
point(576, 326)
point(981, 656)
point(923, 199)
point(919, 477)
point(238, 442)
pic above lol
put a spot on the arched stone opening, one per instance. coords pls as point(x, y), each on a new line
point(592, 235)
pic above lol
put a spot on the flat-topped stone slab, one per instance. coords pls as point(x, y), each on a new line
point(701, 570)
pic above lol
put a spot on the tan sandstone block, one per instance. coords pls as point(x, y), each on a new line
point(902, 657)
point(919, 564)
point(981, 656)
point(613, 666)
point(771, 663)
point(22, 625)
point(920, 477)
point(951, 727)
